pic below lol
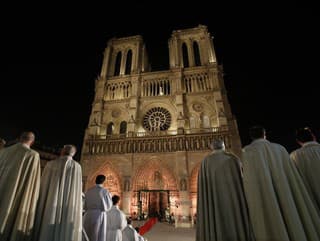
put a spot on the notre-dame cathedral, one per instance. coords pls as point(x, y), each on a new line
point(149, 131)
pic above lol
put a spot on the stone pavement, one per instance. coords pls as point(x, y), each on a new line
point(167, 232)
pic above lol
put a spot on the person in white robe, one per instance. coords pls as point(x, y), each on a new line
point(116, 221)
point(129, 233)
point(279, 205)
point(307, 160)
point(59, 213)
point(98, 201)
point(222, 214)
point(19, 189)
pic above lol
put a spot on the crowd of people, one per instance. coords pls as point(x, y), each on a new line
point(49, 206)
point(265, 195)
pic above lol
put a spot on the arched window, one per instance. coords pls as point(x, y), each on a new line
point(123, 127)
point(185, 55)
point(206, 122)
point(110, 128)
point(192, 122)
point(117, 64)
point(196, 52)
point(128, 62)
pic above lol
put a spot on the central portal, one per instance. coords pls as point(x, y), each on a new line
point(154, 203)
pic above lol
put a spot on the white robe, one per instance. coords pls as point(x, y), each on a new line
point(59, 213)
point(222, 214)
point(97, 203)
point(130, 234)
point(307, 160)
point(19, 191)
point(116, 222)
point(280, 207)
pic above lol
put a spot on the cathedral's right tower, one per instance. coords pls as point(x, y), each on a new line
point(149, 131)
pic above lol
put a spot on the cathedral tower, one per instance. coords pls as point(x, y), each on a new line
point(149, 131)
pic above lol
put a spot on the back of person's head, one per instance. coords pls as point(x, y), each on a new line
point(217, 144)
point(129, 221)
point(100, 179)
point(115, 199)
point(27, 137)
point(304, 135)
point(257, 132)
point(68, 150)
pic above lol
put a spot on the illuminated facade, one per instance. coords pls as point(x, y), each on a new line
point(149, 131)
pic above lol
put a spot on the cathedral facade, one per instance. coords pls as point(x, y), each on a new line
point(149, 131)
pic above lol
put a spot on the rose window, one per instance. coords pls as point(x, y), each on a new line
point(157, 119)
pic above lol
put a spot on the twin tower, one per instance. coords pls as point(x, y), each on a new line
point(149, 131)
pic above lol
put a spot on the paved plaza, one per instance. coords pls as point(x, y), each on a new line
point(167, 232)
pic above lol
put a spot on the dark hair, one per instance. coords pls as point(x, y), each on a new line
point(304, 134)
point(115, 199)
point(100, 179)
point(137, 229)
point(256, 132)
point(129, 220)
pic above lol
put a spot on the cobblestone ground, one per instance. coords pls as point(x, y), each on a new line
point(167, 232)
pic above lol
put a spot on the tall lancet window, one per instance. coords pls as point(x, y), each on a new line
point(196, 52)
point(123, 127)
point(110, 128)
point(117, 64)
point(129, 62)
point(185, 55)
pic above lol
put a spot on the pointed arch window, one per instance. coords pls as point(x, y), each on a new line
point(117, 64)
point(110, 128)
point(196, 52)
point(129, 62)
point(123, 127)
point(185, 55)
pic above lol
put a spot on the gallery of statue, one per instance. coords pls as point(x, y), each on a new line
point(149, 131)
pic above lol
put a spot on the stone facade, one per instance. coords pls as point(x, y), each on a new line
point(149, 131)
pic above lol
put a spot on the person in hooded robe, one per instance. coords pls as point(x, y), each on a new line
point(59, 212)
point(221, 205)
point(116, 221)
point(97, 203)
point(279, 205)
point(307, 160)
point(129, 233)
point(19, 189)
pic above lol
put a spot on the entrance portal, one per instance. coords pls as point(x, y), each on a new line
point(154, 203)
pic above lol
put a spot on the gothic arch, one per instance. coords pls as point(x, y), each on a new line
point(113, 180)
point(193, 180)
point(128, 62)
point(117, 64)
point(196, 53)
point(185, 56)
point(147, 176)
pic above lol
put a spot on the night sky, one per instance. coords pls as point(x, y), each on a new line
point(53, 54)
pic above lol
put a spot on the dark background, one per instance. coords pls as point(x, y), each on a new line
point(52, 55)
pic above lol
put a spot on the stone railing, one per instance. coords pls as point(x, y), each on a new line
point(199, 80)
point(137, 143)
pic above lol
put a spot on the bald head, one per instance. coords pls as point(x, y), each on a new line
point(68, 150)
point(217, 144)
point(27, 138)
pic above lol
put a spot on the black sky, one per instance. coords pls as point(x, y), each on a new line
point(52, 55)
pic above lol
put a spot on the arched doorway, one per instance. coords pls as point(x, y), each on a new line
point(113, 181)
point(154, 190)
point(194, 187)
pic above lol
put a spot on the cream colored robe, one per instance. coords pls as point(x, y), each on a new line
point(130, 234)
point(59, 213)
point(221, 207)
point(279, 205)
point(116, 222)
point(307, 160)
point(19, 191)
point(97, 203)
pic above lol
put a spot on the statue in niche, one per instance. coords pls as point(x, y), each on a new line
point(157, 179)
point(127, 185)
point(183, 184)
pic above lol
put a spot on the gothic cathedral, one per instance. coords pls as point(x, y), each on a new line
point(149, 131)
